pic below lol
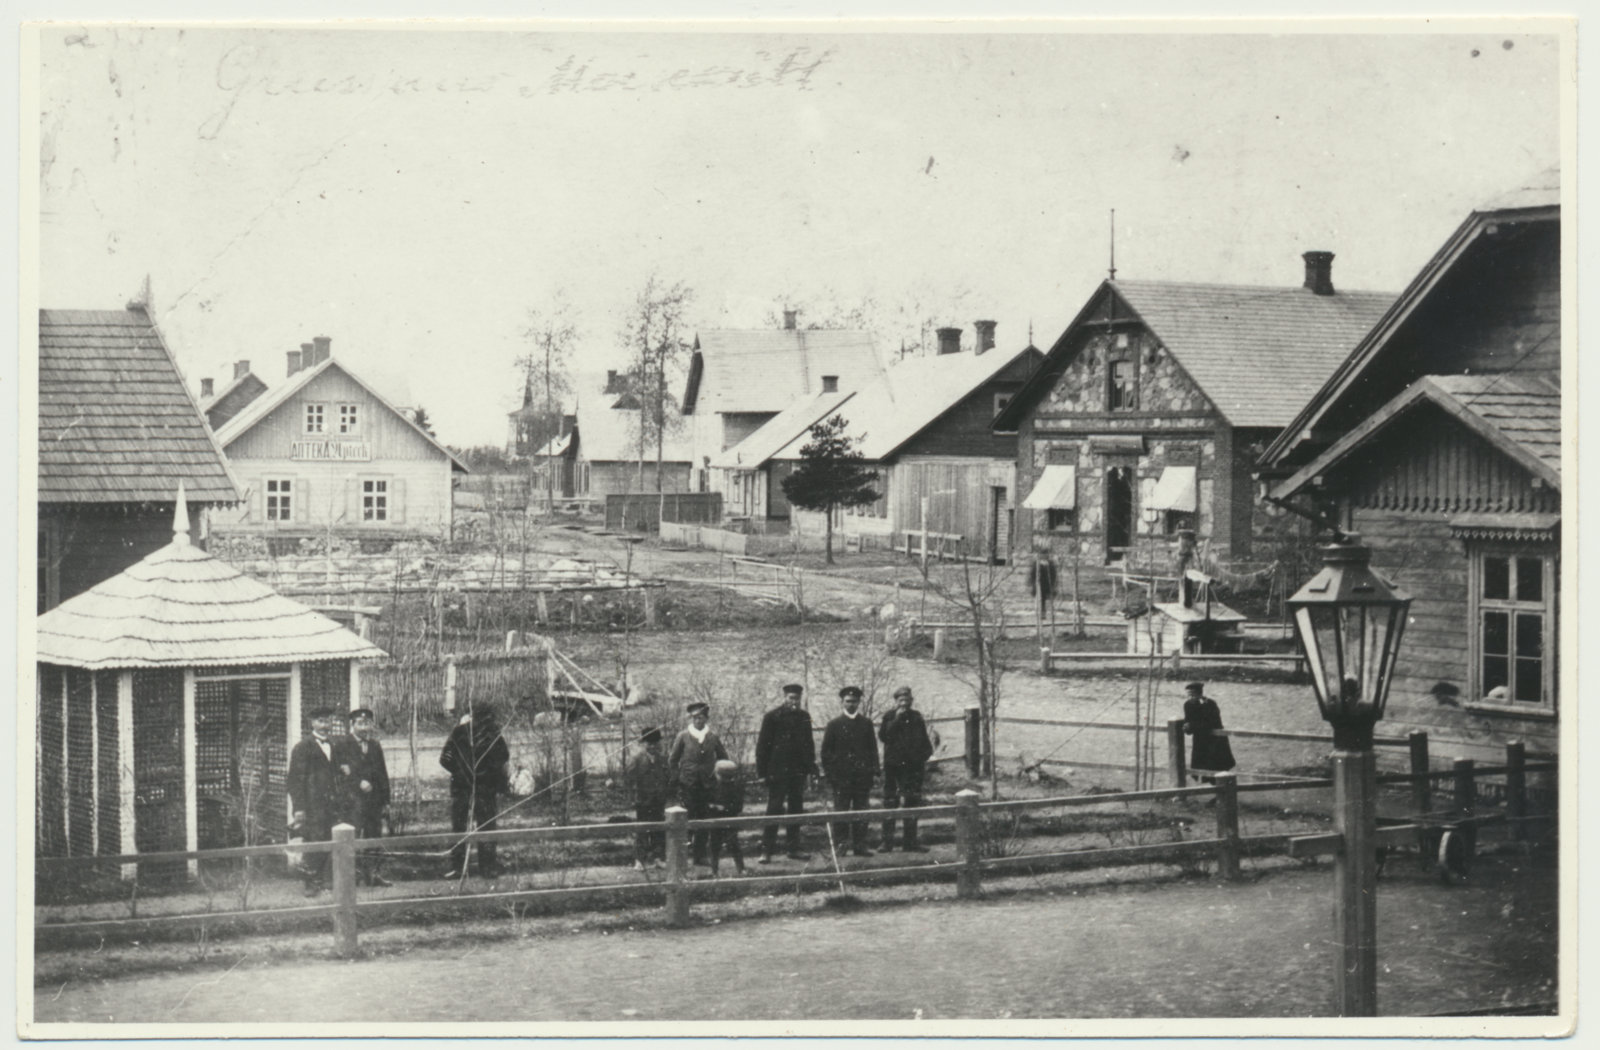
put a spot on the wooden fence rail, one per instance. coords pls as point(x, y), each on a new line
point(677, 890)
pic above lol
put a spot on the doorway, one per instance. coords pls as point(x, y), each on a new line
point(1000, 517)
point(1119, 513)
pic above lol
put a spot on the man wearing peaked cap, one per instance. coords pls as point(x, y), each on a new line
point(850, 762)
point(651, 783)
point(693, 762)
point(906, 750)
point(313, 785)
point(786, 754)
point(365, 777)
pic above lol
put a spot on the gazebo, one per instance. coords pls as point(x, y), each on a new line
point(168, 697)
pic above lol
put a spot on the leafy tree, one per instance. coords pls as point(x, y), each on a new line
point(831, 474)
point(420, 418)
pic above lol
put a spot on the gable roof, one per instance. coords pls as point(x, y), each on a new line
point(886, 413)
point(117, 423)
point(765, 370)
point(1538, 201)
point(1518, 414)
point(608, 434)
point(232, 398)
point(770, 437)
point(262, 406)
point(182, 607)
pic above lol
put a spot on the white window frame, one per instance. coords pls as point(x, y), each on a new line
point(352, 425)
point(278, 498)
point(375, 495)
point(316, 417)
point(1478, 606)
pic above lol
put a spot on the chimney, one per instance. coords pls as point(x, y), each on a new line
point(296, 359)
point(205, 388)
point(322, 342)
point(611, 381)
point(830, 384)
point(789, 318)
point(949, 340)
point(1319, 272)
point(241, 368)
point(985, 331)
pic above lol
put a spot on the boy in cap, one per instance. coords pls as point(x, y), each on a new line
point(786, 754)
point(365, 777)
point(727, 800)
point(313, 787)
point(693, 761)
point(650, 782)
point(850, 762)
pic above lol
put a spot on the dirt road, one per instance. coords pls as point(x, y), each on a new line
point(1190, 950)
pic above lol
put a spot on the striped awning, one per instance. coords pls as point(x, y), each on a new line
point(1175, 490)
point(1057, 489)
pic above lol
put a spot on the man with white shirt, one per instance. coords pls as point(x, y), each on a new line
point(313, 786)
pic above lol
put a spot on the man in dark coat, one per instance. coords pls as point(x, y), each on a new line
point(786, 754)
point(850, 762)
point(906, 750)
point(1202, 719)
point(651, 782)
point(693, 762)
point(313, 786)
point(364, 776)
point(475, 754)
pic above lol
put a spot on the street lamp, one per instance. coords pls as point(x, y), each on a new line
point(1349, 621)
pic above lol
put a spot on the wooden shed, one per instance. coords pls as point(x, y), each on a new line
point(167, 699)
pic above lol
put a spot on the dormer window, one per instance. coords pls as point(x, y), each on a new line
point(1122, 384)
point(830, 384)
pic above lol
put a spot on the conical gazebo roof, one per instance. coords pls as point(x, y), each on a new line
point(181, 607)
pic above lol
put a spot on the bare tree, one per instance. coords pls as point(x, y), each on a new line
point(655, 334)
point(977, 594)
point(551, 335)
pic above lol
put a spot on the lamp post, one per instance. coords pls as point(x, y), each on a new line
point(1349, 621)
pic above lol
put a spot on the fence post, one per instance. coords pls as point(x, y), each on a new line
point(968, 833)
point(1175, 759)
point(1516, 788)
point(344, 889)
point(1044, 659)
point(450, 684)
point(677, 866)
point(576, 768)
point(1421, 789)
point(974, 745)
point(938, 644)
point(511, 640)
point(1466, 786)
point(649, 606)
point(1227, 826)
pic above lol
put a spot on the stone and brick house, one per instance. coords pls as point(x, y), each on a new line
point(1148, 412)
point(1439, 442)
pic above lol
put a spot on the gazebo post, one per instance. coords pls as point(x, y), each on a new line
point(94, 761)
point(66, 760)
point(191, 780)
point(291, 731)
point(355, 687)
point(127, 812)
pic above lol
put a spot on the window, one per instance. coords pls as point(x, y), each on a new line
point(1513, 617)
point(1061, 519)
point(316, 422)
point(349, 420)
point(1122, 385)
point(374, 499)
point(280, 493)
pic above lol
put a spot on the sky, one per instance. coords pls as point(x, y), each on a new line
point(412, 194)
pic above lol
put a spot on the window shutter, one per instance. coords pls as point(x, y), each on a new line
point(397, 500)
point(258, 511)
point(352, 501)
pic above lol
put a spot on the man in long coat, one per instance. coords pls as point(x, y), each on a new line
point(786, 754)
point(906, 750)
point(651, 782)
point(365, 779)
point(850, 763)
point(313, 786)
point(475, 754)
point(693, 762)
point(1202, 719)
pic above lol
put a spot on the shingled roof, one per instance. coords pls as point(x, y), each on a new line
point(117, 423)
point(766, 370)
point(181, 607)
point(1259, 354)
point(1517, 413)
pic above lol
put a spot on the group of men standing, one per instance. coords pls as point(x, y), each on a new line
point(338, 777)
point(786, 755)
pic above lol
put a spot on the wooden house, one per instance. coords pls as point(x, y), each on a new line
point(1439, 441)
point(739, 379)
point(118, 431)
point(1150, 409)
point(168, 697)
point(325, 452)
point(222, 405)
point(605, 449)
point(925, 426)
